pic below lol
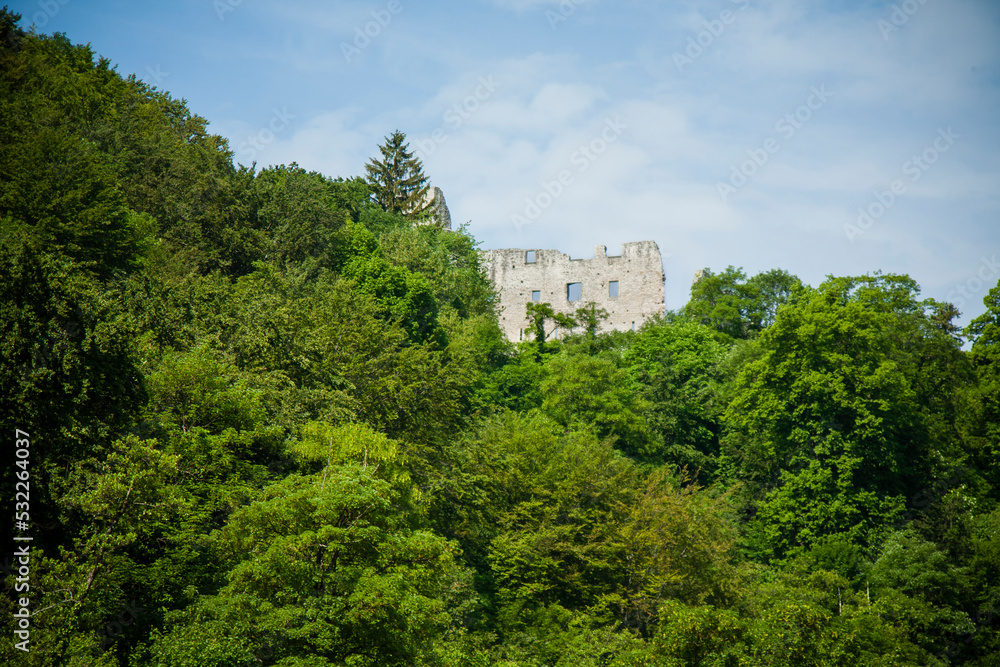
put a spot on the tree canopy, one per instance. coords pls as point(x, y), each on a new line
point(397, 180)
point(273, 421)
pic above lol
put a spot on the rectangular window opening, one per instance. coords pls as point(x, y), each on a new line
point(613, 288)
point(529, 257)
point(574, 291)
point(536, 295)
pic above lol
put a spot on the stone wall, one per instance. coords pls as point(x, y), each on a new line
point(638, 271)
point(438, 209)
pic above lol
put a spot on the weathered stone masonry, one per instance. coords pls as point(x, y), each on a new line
point(555, 278)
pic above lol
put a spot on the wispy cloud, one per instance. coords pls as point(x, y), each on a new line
point(552, 92)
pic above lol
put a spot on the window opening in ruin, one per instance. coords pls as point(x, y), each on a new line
point(574, 291)
point(529, 257)
point(536, 295)
point(613, 288)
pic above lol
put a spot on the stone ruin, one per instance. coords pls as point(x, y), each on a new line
point(630, 286)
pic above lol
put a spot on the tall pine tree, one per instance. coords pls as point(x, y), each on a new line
point(397, 180)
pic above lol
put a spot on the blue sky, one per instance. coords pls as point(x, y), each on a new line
point(819, 137)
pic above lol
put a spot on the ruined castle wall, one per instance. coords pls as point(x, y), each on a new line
point(638, 271)
point(438, 209)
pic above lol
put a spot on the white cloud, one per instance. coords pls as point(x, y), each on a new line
point(492, 148)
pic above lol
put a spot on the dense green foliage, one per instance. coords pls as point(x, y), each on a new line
point(274, 422)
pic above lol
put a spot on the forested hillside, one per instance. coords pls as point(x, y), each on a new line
point(273, 422)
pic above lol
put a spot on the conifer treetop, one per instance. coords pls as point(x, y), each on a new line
point(397, 180)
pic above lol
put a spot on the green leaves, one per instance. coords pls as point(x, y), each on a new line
point(449, 260)
point(128, 497)
point(67, 374)
point(823, 502)
point(61, 193)
point(196, 390)
point(279, 423)
point(121, 506)
point(295, 216)
point(322, 568)
point(827, 417)
point(979, 408)
point(404, 297)
point(677, 366)
point(737, 307)
point(582, 391)
point(544, 505)
point(677, 543)
point(397, 181)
